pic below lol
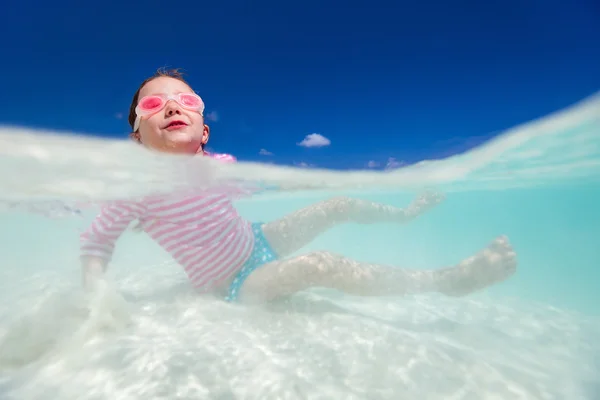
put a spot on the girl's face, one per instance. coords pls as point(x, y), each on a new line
point(173, 129)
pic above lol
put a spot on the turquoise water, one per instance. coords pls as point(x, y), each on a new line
point(553, 230)
point(147, 335)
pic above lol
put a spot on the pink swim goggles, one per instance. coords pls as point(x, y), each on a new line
point(149, 105)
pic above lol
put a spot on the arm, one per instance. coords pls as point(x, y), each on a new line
point(98, 241)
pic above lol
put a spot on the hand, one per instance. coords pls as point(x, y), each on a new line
point(93, 271)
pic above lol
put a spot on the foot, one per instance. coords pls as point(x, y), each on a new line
point(491, 265)
point(424, 202)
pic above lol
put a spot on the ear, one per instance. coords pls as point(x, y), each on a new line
point(205, 134)
point(135, 136)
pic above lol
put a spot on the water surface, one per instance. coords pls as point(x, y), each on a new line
point(147, 335)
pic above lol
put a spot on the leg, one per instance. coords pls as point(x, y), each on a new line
point(323, 269)
point(292, 232)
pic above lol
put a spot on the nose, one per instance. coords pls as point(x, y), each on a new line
point(172, 108)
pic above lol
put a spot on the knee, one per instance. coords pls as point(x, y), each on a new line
point(340, 200)
point(320, 262)
point(326, 269)
point(340, 204)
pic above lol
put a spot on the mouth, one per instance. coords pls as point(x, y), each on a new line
point(175, 125)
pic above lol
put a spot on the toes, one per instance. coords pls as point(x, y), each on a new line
point(501, 243)
point(436, 196)
point(430, 197)
point(512, 260)
point(502, 247)
point(509, 263)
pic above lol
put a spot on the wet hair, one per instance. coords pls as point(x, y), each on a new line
point(170, 73)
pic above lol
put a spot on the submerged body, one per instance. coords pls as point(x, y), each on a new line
point(202, 232)
point(220, 250)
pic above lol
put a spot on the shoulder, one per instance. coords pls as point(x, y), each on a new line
point(222, 157)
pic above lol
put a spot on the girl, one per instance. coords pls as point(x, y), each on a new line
point(220, 251)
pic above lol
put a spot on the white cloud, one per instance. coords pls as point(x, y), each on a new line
point(315, 140)
point(393, 163)
point(372, 164)
point(265, 152)
point(212, 116)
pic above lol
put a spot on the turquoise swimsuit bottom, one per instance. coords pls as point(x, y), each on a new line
point(262, 253)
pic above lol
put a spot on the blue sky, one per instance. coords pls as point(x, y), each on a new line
point(378, 79)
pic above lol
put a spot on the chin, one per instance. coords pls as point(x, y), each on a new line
point(188, 147)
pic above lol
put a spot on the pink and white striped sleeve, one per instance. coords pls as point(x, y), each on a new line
point(100, 238)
